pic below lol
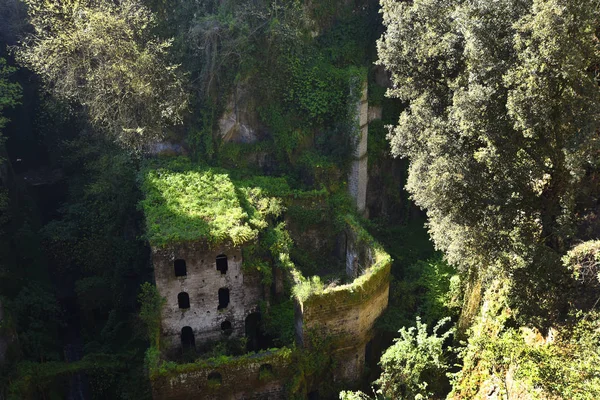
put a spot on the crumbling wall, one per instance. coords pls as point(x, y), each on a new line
point(347, 313)
point(202, 283)
point(254, 376)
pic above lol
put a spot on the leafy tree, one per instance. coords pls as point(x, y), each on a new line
point(414, 362)
point(501, 121)
point(151, 304)
point(37, 313)
point(104, 56)
point(10, 93)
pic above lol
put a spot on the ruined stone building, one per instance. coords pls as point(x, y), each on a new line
point(207, 294)
point(200, 224)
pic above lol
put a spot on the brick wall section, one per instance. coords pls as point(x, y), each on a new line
point(202, 284)
point(345, 314)
point(348, 316)
point(348, 313)
point(240, 380)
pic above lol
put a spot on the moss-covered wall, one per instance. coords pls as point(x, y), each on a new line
point(254, 376)
point(347, 313)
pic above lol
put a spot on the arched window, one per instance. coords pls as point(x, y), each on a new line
point(226, 328)
point(187, 338)
point(184, 300)
point(222, 264)
point(180, 268)
point(223, 298)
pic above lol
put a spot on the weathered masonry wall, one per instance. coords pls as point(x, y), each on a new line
point(348, 316)
point(254, 376)
point(348, 313)
point(358, 177)
point(205, 286)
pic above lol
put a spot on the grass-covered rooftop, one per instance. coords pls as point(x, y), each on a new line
point(184, 203)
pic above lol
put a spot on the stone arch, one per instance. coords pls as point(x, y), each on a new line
point(188, 340)
point(226, 328)
point(183, 299)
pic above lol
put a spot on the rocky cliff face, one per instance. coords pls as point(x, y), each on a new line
point(239, 123)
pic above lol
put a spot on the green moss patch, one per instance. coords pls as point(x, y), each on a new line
point(187, 203)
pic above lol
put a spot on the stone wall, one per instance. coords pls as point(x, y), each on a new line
point(202, 283)
point(348, 312)
point(254, 376)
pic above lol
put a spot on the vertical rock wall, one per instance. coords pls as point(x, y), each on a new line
point(358, 178)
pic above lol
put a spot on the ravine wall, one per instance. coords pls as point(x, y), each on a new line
point(358, 176)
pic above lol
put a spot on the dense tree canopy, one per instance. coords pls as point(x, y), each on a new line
point(10, 92)
point(104, 56)
point(501, 121)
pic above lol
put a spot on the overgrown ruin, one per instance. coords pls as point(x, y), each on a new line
point(219, 282)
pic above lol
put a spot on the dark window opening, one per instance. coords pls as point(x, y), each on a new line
point(187, 338)
point(226, 328)
point(223, 298)
point(253, 334)
point(184, 300)
point(180, 268)
point(222, 263)
point(215, 378)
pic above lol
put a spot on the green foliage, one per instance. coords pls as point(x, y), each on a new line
point(10, 93)
point(104, 56)
point(519, 360)
point(430, 289)
point(414, 364)
point(497, 127)
point(584, 260)
point(38, 380)
point(191, 204)
point(312, 366)
point(38, 320)
point(442, 289)
point(151, 304)
point(186, 202)
point(278, 322)
point(349, 395)
point(318, 88)
point(304, 288)
point(272, 356)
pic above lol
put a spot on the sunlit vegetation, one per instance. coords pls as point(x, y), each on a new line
point(482, 201)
